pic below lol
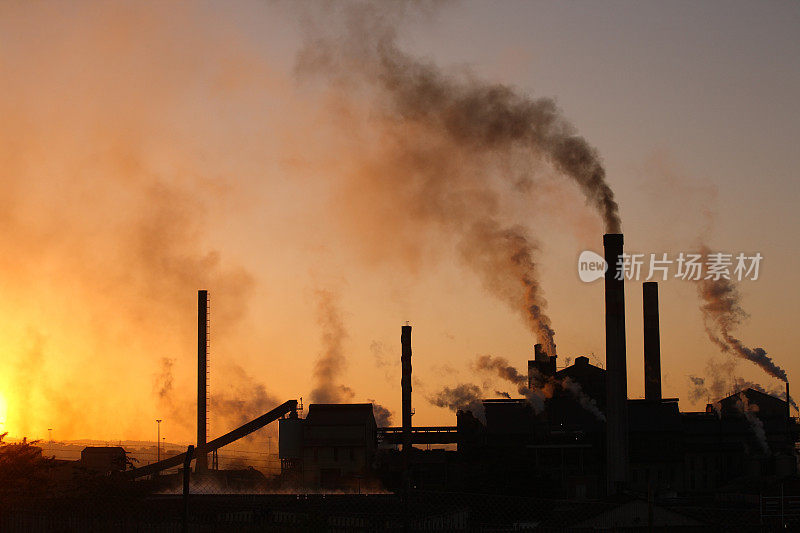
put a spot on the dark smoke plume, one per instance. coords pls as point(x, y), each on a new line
point(238, 400)
point(163, 384)
point(486, 116)
point(698, 390)
point(331, 363)
point(241, 400)
point(451, 149)
point(383, 416)
point(504, 256)
point(500, 367)
point(175, 410)
point(463, 397)
point(722, 313)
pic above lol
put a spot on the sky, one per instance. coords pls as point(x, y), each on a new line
point(253, 149)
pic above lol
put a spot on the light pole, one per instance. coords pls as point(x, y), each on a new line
point(50, 434)
point(158, 441)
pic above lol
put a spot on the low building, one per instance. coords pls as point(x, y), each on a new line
point(334, 447)
point(104, 459)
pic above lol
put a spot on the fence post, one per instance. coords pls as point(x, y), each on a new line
point(187, 463)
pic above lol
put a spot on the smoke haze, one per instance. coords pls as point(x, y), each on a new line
point(330, 365)
point(141, 148)
point(451, 149)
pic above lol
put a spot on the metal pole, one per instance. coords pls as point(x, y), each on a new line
point(158, 441)
point(202, 376)
point(187, 463)
point(405, 385)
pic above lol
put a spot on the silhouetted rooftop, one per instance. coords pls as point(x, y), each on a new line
point(340, 414)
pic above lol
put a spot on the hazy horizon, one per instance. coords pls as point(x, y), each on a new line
point(151, 150)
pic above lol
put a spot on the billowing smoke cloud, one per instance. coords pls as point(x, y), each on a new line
point(331, 363)
point(722, 313)
point(383, 416)
point(163, 384)
point(450, 149)
point(173, 409)
point(543, 387)
point(500, 367)
point(504, 257)
point(233, 401)
point(237, 401)
point(118, 167)
point(479, 115)
point(462, 397)
point(698, 390)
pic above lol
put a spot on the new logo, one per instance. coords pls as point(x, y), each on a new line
point(591, 266)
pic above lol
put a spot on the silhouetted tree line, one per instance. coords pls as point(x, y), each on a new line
point(24, 472)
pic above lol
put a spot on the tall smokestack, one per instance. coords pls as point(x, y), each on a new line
point(202, 375)
point(652, 342)
point(788, 415)
point(405, 383)
point(616, 372)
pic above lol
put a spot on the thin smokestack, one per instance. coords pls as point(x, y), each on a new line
point(616, 372)
point(202, 376)
point(788, 415)
point(405, 383)
point(652, 342)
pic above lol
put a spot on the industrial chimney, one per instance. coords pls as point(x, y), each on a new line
point(543, 365)
point(616, 371)
point(202, 376)
point(405, 384)
point(789, 416)
point(652, 342)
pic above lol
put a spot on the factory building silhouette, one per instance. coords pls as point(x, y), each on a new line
point(580, 457)
point(564, 450)
point(507, 445)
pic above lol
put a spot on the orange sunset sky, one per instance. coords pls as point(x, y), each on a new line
point(150, 149)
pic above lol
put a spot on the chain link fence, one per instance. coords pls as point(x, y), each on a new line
point(122, 511)
point(33, 498)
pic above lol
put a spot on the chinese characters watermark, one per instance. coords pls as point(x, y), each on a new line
point(684, 266)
